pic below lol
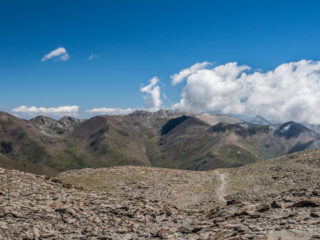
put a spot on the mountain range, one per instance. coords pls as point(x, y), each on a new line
point(164, 138)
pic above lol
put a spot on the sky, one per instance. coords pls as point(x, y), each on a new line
point(85, 58)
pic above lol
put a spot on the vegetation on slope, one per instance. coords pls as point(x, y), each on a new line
point(162, 139)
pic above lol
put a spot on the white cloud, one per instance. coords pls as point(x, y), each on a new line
point(152, 95)
point(51, 111)
point(111, 111)
point(178, 77)
point(289, 92)
point(59, 53)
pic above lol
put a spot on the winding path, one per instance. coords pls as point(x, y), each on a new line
point(221, 189)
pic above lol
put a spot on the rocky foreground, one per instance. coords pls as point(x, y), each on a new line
point(126, 206)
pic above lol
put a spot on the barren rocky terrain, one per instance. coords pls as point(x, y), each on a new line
point(274, 199)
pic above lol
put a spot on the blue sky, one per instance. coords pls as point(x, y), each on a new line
point(133, 41)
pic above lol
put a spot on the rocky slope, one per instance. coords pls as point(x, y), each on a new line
point(49, 125)
point(274, 199)
point(162, 139)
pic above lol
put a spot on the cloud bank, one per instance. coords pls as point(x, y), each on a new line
point(291, 91)
point(58, 54)
point(152, 97)
point(111, 111)
point(51, 111)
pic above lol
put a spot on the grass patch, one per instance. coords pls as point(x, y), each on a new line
point(236, 154)
point(150, 133)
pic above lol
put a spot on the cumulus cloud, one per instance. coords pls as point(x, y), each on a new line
point(178, 77)
point(59, 53)
point(291, 91)
point(152, 97)
point(51, 111)
point(111, 111)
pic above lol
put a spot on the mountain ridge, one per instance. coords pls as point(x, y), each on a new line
point(163, 139)
point(259, 120)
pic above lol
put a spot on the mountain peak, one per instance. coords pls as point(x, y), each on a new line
point(259, 120)
point(49, 125)
point(292, 129)
point(140, 113)
point(70, 121)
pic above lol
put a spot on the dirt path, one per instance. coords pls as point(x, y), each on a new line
point(221, 189)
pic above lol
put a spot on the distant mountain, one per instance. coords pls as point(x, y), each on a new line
point(213, 119)
point(163, 139)
point(259, 120)
point(314, 127)
point(52, 126)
